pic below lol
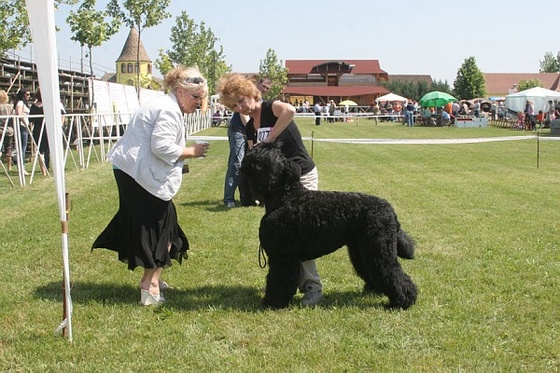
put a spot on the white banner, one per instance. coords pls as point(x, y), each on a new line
point(41, 20)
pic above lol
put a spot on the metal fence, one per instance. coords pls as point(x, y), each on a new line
point(87, 137)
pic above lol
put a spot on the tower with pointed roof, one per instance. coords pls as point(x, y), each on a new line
point(127, 66)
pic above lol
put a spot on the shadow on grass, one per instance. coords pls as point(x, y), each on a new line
point(240, 298)
point(211, 205)
point(352, 299)
point(204, 297)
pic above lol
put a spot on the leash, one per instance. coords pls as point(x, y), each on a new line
point(262, 257)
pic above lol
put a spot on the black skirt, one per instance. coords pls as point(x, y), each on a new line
point(143, 228)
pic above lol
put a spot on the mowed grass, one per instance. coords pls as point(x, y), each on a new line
point(485, 218)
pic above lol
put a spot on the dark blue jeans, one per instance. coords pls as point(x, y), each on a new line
point(237, 144)
point(409, 118)
point(24, 140)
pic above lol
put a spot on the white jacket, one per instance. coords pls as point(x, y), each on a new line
point(148, 150)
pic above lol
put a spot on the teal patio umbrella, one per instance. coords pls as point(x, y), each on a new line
point(436, 99)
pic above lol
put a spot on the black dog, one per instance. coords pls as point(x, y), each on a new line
point(300, 225)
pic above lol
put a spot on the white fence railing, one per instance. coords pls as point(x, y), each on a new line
point(86, 137)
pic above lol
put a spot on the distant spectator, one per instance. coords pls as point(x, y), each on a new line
point(520, 120)
point(476, 108)
point(409, 114)
point(39, 133)
point(21, 107)
point(332, 108)
point(529, 115)
point(501, 111)
point(465, 110)
point(493, 111)
point(426, 116)
point(317, 110)
point(445, 118)
point(217, 117)
point(455, 108)
point(6, 127)
point(540, 118)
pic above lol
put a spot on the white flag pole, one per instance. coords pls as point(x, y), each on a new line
point(41, 20)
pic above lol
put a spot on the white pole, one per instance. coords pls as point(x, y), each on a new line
point(41, 20)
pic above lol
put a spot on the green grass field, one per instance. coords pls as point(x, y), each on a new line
point(487, 224)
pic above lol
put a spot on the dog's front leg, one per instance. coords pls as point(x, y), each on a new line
point(281, 282)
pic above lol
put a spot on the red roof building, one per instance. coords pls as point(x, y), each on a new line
point(338, 80)
point(500, 84)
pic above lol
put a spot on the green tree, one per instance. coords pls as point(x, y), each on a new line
point(442, 86)
point(469, 83)
point(194, 45)
point(91, 28)
point(274, 69)
point(549, 64)
point(415, 89)
point(140, 14)
point(14, 28)
point(163, 63)
point(526, 84)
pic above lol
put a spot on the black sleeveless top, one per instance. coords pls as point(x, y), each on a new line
point(292, 144)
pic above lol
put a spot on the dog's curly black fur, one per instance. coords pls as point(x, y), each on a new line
point(300, 225)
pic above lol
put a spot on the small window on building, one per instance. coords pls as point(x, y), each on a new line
point(150, 68)
point(123, 68)
point(129, 66)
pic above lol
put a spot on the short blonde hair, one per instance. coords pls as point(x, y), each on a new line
point(232, 86)
point(3, 97)
point(188, 78)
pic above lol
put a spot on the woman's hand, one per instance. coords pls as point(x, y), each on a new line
point(195, 151)
point(201, 148)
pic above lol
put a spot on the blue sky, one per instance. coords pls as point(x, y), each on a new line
point(407, 37)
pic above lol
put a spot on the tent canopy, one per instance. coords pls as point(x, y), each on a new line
point(391, 97)
point(539, 96)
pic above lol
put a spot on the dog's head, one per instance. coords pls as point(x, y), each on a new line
point(266, 168)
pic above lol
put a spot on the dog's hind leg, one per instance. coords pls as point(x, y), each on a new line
point(382, 272)
point(281, 282)
point(396, 284)
point(363, 270)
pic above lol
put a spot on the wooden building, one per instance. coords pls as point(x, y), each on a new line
point(74, 86)
point(337, 80)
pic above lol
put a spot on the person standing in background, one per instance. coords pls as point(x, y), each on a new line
point(237, 147)
point(21, 109)
point(318, 112)
point(37, 119)
point(409, 114)
point(6, 129)
point(476, 108)
point(332, 108)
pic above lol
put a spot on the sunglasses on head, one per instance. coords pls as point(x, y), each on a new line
point(196, 80)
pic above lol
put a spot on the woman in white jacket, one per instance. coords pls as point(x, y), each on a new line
point(148, 161)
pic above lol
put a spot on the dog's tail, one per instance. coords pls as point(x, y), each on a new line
point(405, 245)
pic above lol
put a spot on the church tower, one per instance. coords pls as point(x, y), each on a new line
point(127, 67)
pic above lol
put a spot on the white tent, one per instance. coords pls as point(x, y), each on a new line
point(41, 20)
point(539, 96)
point(391, 97)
